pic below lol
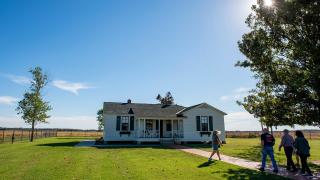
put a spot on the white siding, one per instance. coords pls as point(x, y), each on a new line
point(190, 124)
point(111, 134)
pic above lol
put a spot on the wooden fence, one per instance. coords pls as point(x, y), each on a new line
point(11, 135)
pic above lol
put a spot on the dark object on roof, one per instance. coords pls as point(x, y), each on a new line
point(142, 110)
point(130, 111)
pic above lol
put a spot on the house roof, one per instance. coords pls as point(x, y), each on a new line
point(198, 105)
point(150, 110)
point(142, 110)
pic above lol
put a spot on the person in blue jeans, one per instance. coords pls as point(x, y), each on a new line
point(267, 143)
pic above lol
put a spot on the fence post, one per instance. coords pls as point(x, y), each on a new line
point(12, 138)
point(21, 134)
point(3, 135)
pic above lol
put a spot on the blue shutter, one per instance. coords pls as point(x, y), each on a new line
point(118, 123)
point(210, 123)
point(198, 123)
point(131, 123)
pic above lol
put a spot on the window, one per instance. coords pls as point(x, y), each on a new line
point(124, 123)
point(168, 126)
point(149, 125)
point(204, 121)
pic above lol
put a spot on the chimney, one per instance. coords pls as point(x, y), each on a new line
point(129, 101)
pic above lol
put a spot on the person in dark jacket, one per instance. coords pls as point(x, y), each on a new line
point(287, 144)
point(303, 150)
point(267, 143)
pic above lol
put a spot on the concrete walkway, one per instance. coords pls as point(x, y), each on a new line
point(244, 163)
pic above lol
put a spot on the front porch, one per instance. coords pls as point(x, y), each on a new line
point(150, 130)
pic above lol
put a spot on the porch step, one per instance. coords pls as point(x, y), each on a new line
point(166, 141)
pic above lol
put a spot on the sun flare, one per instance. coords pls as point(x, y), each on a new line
point(268, 3)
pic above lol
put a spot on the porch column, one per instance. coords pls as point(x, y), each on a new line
point(158, 133)
point(144, 125)
point(138, 128)
point(171, 128)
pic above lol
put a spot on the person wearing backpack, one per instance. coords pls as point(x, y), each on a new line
point(267, 143)
point(303, 150)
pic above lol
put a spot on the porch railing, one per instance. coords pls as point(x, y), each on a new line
point(149, 134)
point(175, 134)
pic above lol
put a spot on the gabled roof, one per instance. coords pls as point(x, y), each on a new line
point(199, 105)
point(142, 110)
point(151, 110)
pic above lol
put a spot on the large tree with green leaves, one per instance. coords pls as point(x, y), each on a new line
point(32, 108)
point(100, 119)
point(283, 51)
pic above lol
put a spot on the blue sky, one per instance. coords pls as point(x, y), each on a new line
point(96, 51)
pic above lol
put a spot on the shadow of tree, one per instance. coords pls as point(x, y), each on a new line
point(252, 153)
point(67, 144)
point(205, 164)
point(243, 174)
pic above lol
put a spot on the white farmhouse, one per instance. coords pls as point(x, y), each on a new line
point(141, 123)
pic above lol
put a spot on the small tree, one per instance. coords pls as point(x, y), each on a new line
point(100, 119)
point(32, 107)
point(167, 100)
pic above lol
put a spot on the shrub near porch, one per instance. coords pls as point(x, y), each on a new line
point(57, 158)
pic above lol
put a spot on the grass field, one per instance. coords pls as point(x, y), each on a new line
point(57, 158)
point(249, 148)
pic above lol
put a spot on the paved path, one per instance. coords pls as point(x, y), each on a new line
point(244, 163)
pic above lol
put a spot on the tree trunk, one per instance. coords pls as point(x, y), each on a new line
point(271, 130)
point(261, 125)
point(32, 130)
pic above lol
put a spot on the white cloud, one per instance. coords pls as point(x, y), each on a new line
point(241, 90)
point(237, 94)
point(72, 122)
point(69, 86)
point(22, 80)
point(8, 100)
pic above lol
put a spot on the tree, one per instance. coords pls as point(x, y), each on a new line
point(283, 51)
point(167, 100)
point(100, 119)
point(32, 108)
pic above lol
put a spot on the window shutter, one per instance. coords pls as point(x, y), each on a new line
point(131, 123)
point(198, 123)
point(118, 123)
point(210, 123)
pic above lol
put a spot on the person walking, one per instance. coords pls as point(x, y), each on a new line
point(267, 143)
point(216, 143)
point(303, 150)
point(287, 143)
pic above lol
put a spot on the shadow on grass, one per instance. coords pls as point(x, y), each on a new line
point(66, 144)
point(252, 153)
point(205, 164)
point(242, 174)
point(132, 147)
point(314, 167)
point(76, 138)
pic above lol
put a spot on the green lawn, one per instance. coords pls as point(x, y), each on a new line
point(57, 158)
point(249, 148)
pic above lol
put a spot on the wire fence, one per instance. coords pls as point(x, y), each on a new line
point(11, 135)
